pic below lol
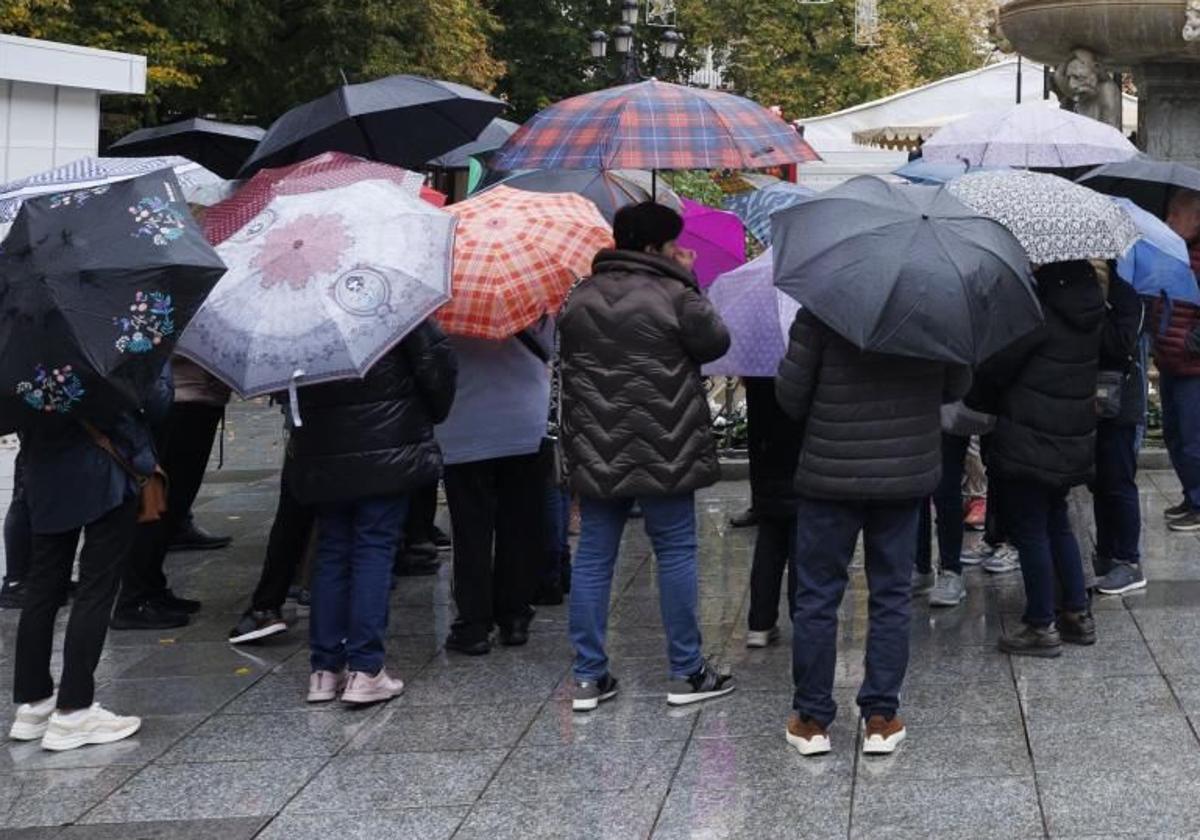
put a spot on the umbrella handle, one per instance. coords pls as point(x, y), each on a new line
point(294, 398)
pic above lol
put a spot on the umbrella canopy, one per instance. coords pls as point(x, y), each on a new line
point(921, 171)
point(490, 139)
point(516, 256)
point(716, 236)
point(1028, 135)
point(323, 172)
point(1144, 180)
point(95, 287)
point(906, 270)
point(221, 147)
point(321, 285)
point(608, 190)
point(1158, 264)
point(1054, 219)
point(402, 120)
point(758, 315)
point(654, 125)
point(756, 207)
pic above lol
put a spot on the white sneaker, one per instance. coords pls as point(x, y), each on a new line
point(32, 719)
point(762, 638)
point(324, 686)
point(96, 725)
point(1004, 560)
point(362, 688)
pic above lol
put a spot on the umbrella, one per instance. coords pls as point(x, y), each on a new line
point(716, 236)
point(492, 138)
point(609, 190)
point(654, 125)
point(323, 172)
point(756, 207)
point(1026, 136)
point(1158, 263)
point(221, 147)
point(758, 316)
point(1055, 219)
point(921, 171)
point(402, 120)
point(95, 287)
point(1148, 182)
point(906, 270)
point(516, 256)
point(321, 285)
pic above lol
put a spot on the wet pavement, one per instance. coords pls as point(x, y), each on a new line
point(1098, 744)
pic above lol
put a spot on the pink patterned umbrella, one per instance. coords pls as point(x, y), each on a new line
point(717, 237)
point(758, 316)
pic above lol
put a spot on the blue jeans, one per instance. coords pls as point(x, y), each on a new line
point(558, 521)
point(1181, 430)
point(356, 545)
point(1038, 525)
point(826, 533)
point(1115, 503)
point(670, 523)
point(948, 501)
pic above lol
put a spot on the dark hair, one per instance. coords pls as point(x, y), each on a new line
point(637, 227)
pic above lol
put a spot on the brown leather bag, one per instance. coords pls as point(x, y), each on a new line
point(152, 489)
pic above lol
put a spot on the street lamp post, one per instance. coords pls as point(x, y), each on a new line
point(624, 44)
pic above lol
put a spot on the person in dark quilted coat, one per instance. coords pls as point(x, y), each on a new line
point(636, 426)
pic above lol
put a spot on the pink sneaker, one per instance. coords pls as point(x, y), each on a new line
point(324, 686)
point(363, 688)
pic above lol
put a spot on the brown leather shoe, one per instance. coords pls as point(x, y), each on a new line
point(883, 734)
point(806, 735)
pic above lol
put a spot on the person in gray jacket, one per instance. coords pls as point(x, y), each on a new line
point(870, 455)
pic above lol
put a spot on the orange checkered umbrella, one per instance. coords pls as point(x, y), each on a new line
point(516, 255)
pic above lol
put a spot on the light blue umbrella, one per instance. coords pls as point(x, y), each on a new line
point(921, 171)
point(1158, 263)
point(756, 207)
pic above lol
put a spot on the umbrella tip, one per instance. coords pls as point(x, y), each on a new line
point(925, 217)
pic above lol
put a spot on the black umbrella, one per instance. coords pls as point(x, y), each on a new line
point(401, 120)
point(96, 286)
point(217, 146)
point(906, 270)
point(492, 138)
point(608, 189)
point(1145, 181)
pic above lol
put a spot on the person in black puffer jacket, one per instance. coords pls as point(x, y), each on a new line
point(361, 447)
point(1042, 390)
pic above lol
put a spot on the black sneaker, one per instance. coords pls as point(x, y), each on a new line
point(746, 519)
point(469, 646)
point(1178, 511)
point(1187, 523)
point(147, 615)
point(410, 566)
point(191, 537)
point(421, 552)
point(1077, 628)
point(1033, 641)
point(300, 595)
point(255, 625)
point(171, 602)
point(705, 684)
point(591, 693)
point(548, 594)
point(12, 595)
point(515, 632)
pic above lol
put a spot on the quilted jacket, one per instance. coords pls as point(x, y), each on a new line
point(635, 414)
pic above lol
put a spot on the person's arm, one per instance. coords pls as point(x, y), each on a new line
point(434, 367)
point(1122, 326)
point(796, 383)
point(704, 335)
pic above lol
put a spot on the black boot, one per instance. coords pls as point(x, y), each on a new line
point(191, 537)
point(1033, 641)
point(146, 615)
point(1077, 628)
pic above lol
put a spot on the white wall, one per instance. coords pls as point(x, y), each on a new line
point(43, 126)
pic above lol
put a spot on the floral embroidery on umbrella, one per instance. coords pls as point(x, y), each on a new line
point(53, 392)
point(305, 247)
point(77, 198)
point(149, 321)
point(158, 218)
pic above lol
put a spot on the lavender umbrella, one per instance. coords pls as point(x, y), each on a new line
point(716, 236)
point(758, 316)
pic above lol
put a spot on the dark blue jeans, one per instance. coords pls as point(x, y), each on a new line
point(1038, 525)
point(356, 545)
point(558, 520)
point(1115, 494)
point(826, 533)
point(948, 502)
point(1181, 430)
point(671, 525)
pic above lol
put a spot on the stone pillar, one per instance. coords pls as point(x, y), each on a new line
point(1169, 111)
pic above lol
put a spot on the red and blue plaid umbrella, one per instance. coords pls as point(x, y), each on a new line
point(654, 125)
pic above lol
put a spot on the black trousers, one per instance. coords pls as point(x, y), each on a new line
point(191, 431)
point(286, 546)
point(18, 532)
point(106, 542)
point(422, 508)
point(498, 519)
point(773, 549)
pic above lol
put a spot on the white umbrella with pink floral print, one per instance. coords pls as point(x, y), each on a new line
point(320, 286)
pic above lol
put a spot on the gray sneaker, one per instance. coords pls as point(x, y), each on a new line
point(591, 693)
point(707, 683)
point(948, 591)
point(1004, 559)
point(1122, 578)
point(923, 582)
point(979, 553)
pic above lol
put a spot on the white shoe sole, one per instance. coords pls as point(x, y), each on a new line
point(1132, 587)
point(698, 697)
point(320, 696)
point(70, 741)
point(812, 746)
point(1004, 570)
point(941, 602)
point(883, 746)
point(22, 731)
point(756, 640)
point(261, 633)
point(368, 699)
point(589, 704)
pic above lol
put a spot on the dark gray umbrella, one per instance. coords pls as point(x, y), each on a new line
point(906, 270)
point(401, 120)
point(1145, 181)
point(492, 138)
point(608, 189)
point(217, 146)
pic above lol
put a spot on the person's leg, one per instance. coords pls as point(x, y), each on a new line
point(1064, 548)
point(826, 533)
point(1170, 424)
point(772, 547)
point(193, 429)
point(520, 537)
point(1187, 419)
point(18, 533)
point(924, 538)
point(286, 545)
point(948, 501)
point(1026, 514)
point(377, 525)
point(46, 582)
point(670, 523)
point(329, 620)
point(142, 579)
point(1103, 489)
point(1126, 505)
point(471, 494)
point(602, 522)
point(555, 536)
point(888, 539)
point(422, 509)
point(106, 544)
point(995, 527)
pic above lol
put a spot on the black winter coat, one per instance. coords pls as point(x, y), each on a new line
point(774, 441)
point(1123, 325)
point(872, 422)
point(1042, 389)
point(374, 436)
point(636, 420)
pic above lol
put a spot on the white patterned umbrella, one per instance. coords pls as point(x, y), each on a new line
point(1054, 219)
point(320, 286)
point(1028, 135)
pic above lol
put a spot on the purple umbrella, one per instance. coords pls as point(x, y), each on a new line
point(716, 236)
point(758, 316)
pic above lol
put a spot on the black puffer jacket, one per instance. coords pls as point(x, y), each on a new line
point(635, 413)
point(774, 441)
point(374, 436)
point(1043, 388)
point(872, 422)
point(1123, 325)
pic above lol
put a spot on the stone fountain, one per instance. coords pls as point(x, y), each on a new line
point(1157, 41)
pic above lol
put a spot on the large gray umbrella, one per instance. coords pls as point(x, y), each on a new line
point(1145, 181)
point(906, 270)
point(489, 140)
